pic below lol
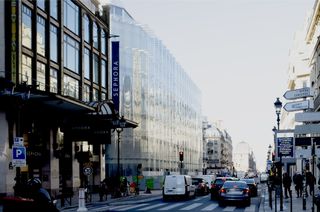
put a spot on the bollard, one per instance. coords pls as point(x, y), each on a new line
point(82, 205)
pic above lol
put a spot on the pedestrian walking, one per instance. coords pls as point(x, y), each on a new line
point(287, 184)
point(103, 189)
point(298, 181)
point(310, 181)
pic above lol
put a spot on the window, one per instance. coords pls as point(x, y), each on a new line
point(26, 27)
point(103, 42)
point(95, 68)
point(41, 76)
point(86, 63)
point(41, 36)
point(41, 4)
point(95, 36)
point(103, 74)
point(53, 43)
point(53, 80)
point(86, 93)
point(54, 8)
point(71, 54)
point(103, 96)
point(26, 67)
point(95, 95)
point(86, 23)
point(71, 16)
point(71, 87)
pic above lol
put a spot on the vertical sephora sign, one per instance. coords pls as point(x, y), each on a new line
point(115, 75)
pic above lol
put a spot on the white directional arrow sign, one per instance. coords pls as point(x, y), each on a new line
point(299, 105)
point(299, 93)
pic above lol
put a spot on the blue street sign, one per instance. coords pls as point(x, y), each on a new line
point(19, 153)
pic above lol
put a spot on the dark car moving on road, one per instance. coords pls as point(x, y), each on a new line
point(201, 186)
point(252, 186)
point(217, 184)
point(234, 192)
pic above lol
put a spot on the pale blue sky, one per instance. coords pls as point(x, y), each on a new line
point(236, 51)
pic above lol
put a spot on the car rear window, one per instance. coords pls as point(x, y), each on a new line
point(249, 181)
point(219, 181)
point(235, 184)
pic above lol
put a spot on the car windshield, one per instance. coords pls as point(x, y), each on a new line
point(235, 184)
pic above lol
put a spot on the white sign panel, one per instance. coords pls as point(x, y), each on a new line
point(18, 141)
point(299, 105)
point(307, 117)
point(299, 93)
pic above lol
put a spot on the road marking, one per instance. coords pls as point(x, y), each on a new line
point(152, 206)
point(200, 198)
point(108, 208)
point(171, 206)
point(229, 208)
point(190, 207)
point(133, 206)
point(252, 208)
point(210, 207)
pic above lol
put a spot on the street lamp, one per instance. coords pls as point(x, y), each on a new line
point(120, 124)
point(278, 106)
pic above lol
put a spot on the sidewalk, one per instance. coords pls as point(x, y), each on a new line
point(155, 194)
point(296, 203)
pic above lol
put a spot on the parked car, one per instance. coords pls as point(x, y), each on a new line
point(201, 186)
point(234, 192)
point(252, 186)
point(178, 186)
point(218, 183)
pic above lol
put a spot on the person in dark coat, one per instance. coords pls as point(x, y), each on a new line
point(287, 184)
point(298, 181)
point(310, 181)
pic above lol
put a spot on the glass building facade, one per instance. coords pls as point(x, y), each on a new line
point(155, 92)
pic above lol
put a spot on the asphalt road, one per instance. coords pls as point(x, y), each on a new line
point(201, 203)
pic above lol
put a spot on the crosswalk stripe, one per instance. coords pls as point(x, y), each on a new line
point(171, 206)
point(252, 208)
point(210, 207)
point(190, 207)
point(117, 207)
point(133, 206)
point(152, 206)
point(229, 208)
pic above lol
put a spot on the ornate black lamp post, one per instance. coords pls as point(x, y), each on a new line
point(278, 106)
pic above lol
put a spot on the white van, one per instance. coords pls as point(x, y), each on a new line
point(178, 186)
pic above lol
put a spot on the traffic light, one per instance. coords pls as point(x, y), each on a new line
point(181, 156)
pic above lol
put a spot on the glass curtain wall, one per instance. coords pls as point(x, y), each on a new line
point(156, 92)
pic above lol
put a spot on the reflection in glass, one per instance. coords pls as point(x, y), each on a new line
point(26, 70)
point(41, 36)
point(26, 27)
point(86, 93)
point(53, 43)
point(86, 26)
point(41, 76)
point(54, 8)
point(103, 73)
point(103, 42)
point(95, 36)
point(71, 16)
point(70, 87)
point(71, 54)
point(86, 63)
point(53, 80)
point(95, 68)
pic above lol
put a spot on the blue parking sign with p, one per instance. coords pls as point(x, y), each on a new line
point(19, 153)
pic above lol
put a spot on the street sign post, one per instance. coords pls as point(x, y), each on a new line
point(298, 93)
point(19, 156)
point(298, 105)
